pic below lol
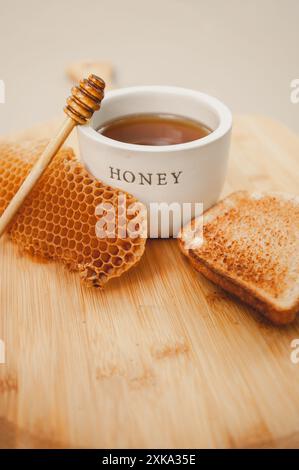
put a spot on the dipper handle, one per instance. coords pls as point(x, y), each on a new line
point(84, 101)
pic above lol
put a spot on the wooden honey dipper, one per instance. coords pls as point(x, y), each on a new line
point(84, 101)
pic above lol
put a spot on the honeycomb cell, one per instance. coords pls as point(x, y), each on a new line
point(49, 215)
point(98, 263)
point(79, 247)
point(129, 257)
point(51, 249)
point(113, 250)
point(87, 251)
point(77, 228)
point(68, 212)
point(80, 259)
point(125, 244)
point(63, 210)
point(108, 195)
point(94, 242)
point(96, 254)
point(84, 218)
point(64, 242)
point(85, 228)
point(90, 209)
point(102, 246)
point(106, 257)
point(58, 251)
point(99, 192)
point(87, 188)
point(83, 207)
point(57, 220)
point(72, 244)
point(86, 240)
point(108, 268)
point(116, 261)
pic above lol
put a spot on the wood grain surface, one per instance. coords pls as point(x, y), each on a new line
point(161, 357)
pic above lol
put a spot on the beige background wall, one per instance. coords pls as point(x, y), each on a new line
point(244, 52)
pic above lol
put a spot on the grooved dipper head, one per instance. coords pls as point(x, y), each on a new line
point(85, 99)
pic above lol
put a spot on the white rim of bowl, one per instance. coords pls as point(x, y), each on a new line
point(223, 112)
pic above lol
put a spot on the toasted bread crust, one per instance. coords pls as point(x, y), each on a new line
point(279, 317)
point(266, 299)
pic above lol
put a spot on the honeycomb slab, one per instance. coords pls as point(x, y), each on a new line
point(58, 220)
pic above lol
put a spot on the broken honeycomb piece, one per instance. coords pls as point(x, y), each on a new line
point(57, 220)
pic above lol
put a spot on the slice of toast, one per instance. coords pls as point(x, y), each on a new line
point(249, 245)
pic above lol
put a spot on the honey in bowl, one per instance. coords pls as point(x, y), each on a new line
point(154, 129)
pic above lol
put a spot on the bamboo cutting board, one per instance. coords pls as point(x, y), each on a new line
point(161, 357)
